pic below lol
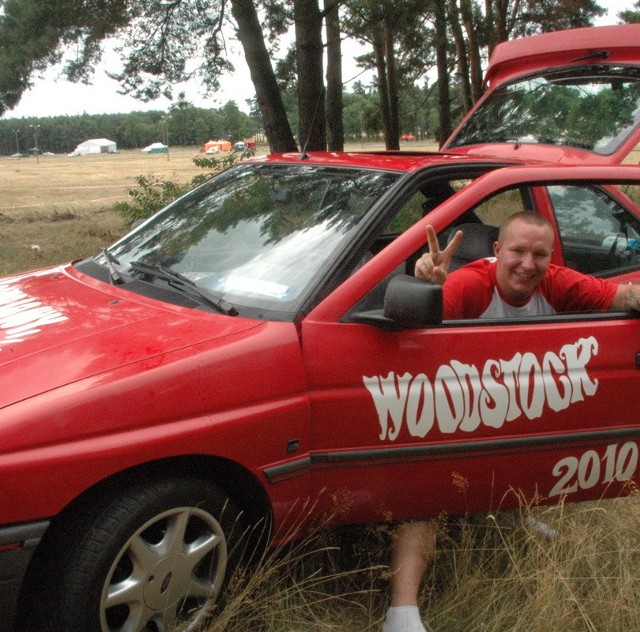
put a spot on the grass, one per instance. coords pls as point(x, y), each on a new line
point(493, 573)
point(511, 577)
point(56, 209)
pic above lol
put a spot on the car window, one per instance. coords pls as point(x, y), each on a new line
point(594, 109)
point(598, 235)
point(497, 208)
point(424, 200)
point(408, 215)
point(256, 235)
point(491, 212)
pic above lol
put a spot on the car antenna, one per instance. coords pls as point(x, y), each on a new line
point(304, 155)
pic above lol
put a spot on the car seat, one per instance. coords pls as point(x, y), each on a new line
point(477, 243)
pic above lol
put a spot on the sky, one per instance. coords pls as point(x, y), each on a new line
point(53, 96)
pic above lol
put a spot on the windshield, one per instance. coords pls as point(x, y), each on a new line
point(257, 234)
point(594, 110)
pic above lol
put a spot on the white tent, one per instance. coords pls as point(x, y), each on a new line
point(95, 146)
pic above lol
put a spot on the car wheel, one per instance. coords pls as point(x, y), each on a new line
point(153, 559)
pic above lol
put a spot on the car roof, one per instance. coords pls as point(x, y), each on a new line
point(613, 44)
point(402, 161)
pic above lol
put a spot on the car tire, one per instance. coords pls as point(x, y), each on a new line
point(153, 558)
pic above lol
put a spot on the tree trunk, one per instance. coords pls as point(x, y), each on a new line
point(502, 9)
point(462, 61)
point(276, 124)
point(490, 25)
point(383, 83)
point(511, 20)
point(309, 50)
point(475, 65)
point(335, 124)
point(393, 134)
point(444, 113)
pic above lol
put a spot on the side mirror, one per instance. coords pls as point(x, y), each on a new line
point(413, 303)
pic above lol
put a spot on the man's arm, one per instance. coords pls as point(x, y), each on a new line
point(626, 298)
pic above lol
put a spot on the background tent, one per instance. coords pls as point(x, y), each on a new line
point(213, 146)
point(156, 148)
point(95, 146)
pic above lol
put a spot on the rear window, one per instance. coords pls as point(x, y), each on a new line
point(593, 110)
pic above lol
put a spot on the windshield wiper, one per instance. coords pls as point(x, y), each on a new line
point(598, 54)
point(179, 281)
point(115, 278)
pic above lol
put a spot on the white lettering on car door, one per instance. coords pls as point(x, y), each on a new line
point(618, 463)
point(463, 397)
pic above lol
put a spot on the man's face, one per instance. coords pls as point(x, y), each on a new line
point(523, 257)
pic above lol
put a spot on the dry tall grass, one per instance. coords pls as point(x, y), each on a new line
point(493, 573)
point(57, 208)
point(512, 577)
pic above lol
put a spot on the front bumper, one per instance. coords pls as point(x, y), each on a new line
point(17, 545)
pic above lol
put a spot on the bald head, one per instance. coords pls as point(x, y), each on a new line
point(527, 217)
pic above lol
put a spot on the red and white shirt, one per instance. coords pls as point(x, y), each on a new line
point(472, 292)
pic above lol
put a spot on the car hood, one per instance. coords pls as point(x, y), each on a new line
point(58, 326)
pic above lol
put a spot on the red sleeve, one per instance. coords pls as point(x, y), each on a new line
point(467, 291)
point(569, 291)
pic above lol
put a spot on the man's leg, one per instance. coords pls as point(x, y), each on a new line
point(413, 549)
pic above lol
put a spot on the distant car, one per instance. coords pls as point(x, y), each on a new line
point(261, 342)
point(407, 137)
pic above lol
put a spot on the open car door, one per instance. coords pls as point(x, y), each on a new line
point(478, 415)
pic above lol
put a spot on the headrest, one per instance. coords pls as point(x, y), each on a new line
point(477, 243)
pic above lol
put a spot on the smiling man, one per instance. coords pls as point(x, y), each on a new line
point(520, 280)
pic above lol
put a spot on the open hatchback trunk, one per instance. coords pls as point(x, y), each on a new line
point(568, 97)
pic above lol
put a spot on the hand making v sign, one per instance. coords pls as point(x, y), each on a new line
point(434, 265)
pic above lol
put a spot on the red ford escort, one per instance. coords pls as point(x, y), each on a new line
point(262, 342)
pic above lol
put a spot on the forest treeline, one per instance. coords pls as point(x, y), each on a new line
point(187, 125)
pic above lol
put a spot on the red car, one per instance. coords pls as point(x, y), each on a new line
point(261, 342)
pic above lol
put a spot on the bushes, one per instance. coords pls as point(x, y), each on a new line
point(151, 195)
point(154, 193)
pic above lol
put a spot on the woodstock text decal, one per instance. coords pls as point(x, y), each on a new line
point(462, 397)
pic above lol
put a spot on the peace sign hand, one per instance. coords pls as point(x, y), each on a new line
point(434, 265)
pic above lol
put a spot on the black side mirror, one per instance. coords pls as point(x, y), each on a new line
point(413, 303)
